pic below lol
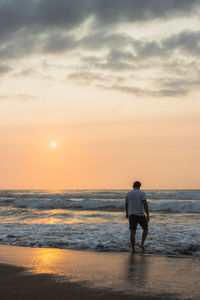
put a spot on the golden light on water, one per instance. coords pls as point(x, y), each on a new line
point(44, 261)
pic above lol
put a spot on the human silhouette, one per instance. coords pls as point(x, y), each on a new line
point(135, 205)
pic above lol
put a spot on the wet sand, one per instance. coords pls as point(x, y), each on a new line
point(34, 273)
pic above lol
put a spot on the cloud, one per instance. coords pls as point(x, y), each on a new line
point(160, 87)
point(87, 77)
point(58, 42)
point(18, 97)
point(170, 65)
point(142, 52)
point(108, 62)
point(152, 93)
point(95, 78)
point(49, 27)
point(45, 13)
point(34, 73)
point(22, 44)
point(41, 14)
point(4, 69)
point(186, 41)
point(179, 83)
point(25, 97)
point(114, 11)
point(101, 39)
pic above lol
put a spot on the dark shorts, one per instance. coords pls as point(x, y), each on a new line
point(135, 219)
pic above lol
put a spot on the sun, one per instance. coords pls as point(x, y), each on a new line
point(53, 144)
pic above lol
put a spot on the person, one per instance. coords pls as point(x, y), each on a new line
point(135, 205)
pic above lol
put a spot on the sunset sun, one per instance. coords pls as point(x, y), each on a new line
point(53, 144)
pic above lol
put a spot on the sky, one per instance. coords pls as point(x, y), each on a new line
point(115, 84)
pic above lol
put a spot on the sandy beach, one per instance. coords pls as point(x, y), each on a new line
point(29, 273)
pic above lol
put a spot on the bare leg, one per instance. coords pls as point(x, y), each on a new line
point(132, 238)
point(144, 235)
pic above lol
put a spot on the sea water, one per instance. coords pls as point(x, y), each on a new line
point(95, 220)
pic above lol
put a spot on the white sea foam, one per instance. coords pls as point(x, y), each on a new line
point(94, 220)
point(101, 237)
point(179, 206)
point(166, 201)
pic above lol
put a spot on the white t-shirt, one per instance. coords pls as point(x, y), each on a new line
point(135, 202)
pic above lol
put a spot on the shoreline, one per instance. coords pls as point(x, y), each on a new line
point(96, 274)
point(140, 252)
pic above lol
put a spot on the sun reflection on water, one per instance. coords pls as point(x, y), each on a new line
point(44, 261)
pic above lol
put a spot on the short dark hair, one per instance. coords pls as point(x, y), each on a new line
point(136, 184)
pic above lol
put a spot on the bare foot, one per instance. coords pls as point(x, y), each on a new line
point(141, 247)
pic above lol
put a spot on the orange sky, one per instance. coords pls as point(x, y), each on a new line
point(161, 150)
point(118, 94)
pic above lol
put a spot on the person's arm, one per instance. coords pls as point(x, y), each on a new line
point(146, 208)
point(126, 207)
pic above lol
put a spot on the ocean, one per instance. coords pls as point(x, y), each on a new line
point(95, 220)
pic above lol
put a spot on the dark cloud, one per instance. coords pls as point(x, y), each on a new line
point(111, 62)
point(172, 92)
point(114, 11)
point(89, 77)
point(152, 93)
point(175, 75)
point(58, 42)
point(162, 88)
point(50, 27)
point(143, 54)
point(173, 60)
point(61, 12)
point(35, 26)
point(4, 69)
point(13, 15)
point(96, 79)
point(177, 83)
point(25, 44)
point(148, 49)
point(99, 40)
point(186, 41)
point(40, 15)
